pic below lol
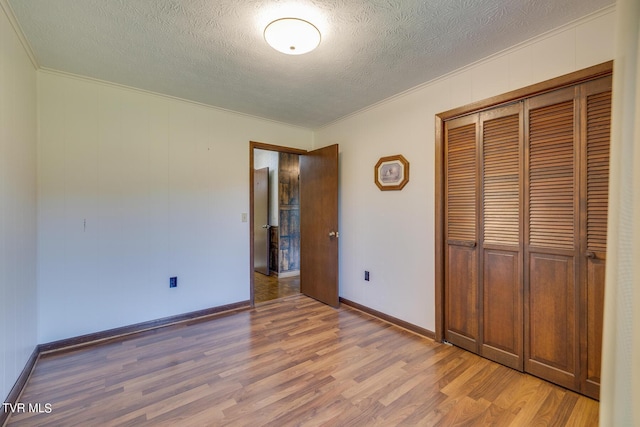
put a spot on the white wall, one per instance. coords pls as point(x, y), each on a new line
point(17, 207)
point(271, 160)
point(391, 233)
point(135, 188)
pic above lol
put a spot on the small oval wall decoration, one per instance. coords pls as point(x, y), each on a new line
point(391, 172)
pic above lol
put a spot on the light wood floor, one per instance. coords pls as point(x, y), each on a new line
point(291, 362)
point(267, 288)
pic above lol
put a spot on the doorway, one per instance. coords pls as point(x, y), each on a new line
point(318, 229)
point(276, 225)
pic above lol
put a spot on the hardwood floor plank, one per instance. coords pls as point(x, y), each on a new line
point(470, 379)
point(292, 362)
point(372, 383)
point(527, 413)
point(548, 412)
point(465, 411)
point(398, 388)
point(563, 412)
point(267, 288)
point(584, 413)
point(416, 406)
point(491, 387)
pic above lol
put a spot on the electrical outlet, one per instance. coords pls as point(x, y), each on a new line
point(366, 276)
point(173, 282)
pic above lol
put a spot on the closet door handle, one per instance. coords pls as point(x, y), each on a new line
point(591, 255)
point(465, 243)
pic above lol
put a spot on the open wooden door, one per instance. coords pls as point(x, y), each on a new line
point(319, 225)
point(261, 221)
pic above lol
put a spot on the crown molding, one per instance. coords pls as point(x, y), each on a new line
point(66, 74)
point(569, 25)
point(8, 11)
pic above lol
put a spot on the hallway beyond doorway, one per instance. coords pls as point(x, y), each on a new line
point(267, 288)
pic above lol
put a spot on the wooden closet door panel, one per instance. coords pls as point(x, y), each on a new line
point(461, 321)
point(596, 128)
point(551, 172)
point(501, 288)
point(501, 164)
point(502, 308)
point(551, 237)
point(552, 319)
point(594, 311)
point(461, 276)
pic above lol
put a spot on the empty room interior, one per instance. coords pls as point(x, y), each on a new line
point(329, 212)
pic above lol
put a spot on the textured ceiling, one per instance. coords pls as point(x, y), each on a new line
point(213, 51)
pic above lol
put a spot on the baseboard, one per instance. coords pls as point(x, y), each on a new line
point(126, 331)
point(393, 320)
point(17, 388)
point(284, 274)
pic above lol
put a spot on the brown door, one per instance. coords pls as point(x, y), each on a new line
point(551, 238)
point(596, 128)
point(261, 220)
point(461, 258)
point(500, 266)
point(483, 261)
point(319, 225)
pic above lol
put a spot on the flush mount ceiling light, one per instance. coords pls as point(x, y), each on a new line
point(292, 36)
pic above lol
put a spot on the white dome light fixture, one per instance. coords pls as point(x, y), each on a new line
point(292, 36)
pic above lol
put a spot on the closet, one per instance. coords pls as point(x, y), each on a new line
point(523, 232)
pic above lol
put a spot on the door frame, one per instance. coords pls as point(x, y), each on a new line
point(596, 71)
point(268, 147)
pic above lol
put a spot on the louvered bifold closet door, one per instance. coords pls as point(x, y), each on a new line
point(596, 128)
point(551, 239)
point(461, 256)
point(501, 288)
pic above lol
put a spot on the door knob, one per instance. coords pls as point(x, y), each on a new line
point(591, 255)
point(266, 226)
point(334, 234)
